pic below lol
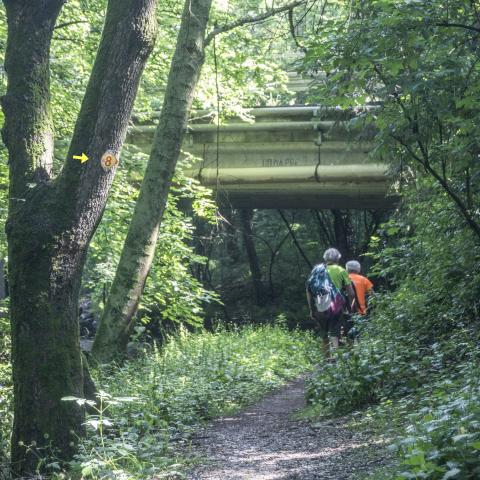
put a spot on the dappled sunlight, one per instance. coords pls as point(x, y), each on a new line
point(239, 239)
point(265, 443)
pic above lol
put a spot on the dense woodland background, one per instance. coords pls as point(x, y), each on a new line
point(225, 294)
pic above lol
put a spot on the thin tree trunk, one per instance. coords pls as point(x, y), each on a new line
point(246, 222)
point(342, 226)
point(3, 285)
point(295, 240)
point(323, 232)
point(273, 256)
point(51, 222)
point(137, 254)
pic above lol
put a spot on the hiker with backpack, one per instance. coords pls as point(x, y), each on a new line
point(363, 288)
point(327, 286)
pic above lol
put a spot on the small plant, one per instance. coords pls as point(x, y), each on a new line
point(103, 451)
point(6, 390)
point(157, 401)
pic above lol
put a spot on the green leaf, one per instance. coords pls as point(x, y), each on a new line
point(451, 473)
point(417, 459)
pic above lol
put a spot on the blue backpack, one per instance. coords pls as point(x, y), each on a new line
point(326, 295)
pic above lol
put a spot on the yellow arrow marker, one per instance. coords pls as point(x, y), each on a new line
point(83, 158)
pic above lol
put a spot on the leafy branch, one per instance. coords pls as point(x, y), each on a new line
point(425, 163)
point(424, 159)
point(251, 19)
point(458, 25)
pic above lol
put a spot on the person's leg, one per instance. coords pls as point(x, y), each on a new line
point(335, 324)
point(360, 321)
point(325, 347)
point(322, 330)
point(349, 329)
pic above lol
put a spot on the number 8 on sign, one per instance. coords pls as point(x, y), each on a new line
point(109, 160)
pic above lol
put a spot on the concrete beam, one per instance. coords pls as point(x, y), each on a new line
point(289, 157)
point(286, 200)
point(368, 175)
point(318, 187)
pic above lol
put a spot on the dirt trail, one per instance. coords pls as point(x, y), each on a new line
point(265, 443)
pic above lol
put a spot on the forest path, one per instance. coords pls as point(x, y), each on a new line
point(264, 442)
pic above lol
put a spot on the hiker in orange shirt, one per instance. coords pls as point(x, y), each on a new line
point(363, 286)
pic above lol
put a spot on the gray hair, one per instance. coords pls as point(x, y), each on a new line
point(353, 266)
point(332, 255)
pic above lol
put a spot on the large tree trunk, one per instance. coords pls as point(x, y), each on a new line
point(117, 320)
point(51, 222)
point(246, 223)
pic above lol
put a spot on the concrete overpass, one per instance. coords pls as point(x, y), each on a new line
point(284, 157)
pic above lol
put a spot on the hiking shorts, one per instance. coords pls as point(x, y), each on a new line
point(328, 325)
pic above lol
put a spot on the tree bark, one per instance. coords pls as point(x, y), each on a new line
point(3, 285)
point(51, 222)
point(295, 240)
point(246, 222)
point(342, 227)
point(118, 318)
point(274, 253)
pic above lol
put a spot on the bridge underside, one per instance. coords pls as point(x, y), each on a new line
point(318, 187)
point(280, 199)
point(289, 157)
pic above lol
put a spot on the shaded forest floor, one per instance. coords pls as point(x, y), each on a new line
point(267, 442)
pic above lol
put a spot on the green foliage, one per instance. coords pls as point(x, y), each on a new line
point(442, 434)
point(157, 401)
point(364, 375)
point(6, 389)
point(418, 61)
point(419, 358)
point(74, 46)
point(171, 293)
point(434, 431)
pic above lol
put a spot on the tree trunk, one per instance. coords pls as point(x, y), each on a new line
point(323, 228)
point(137, 254)
point(295, 240)
point(51, 222)
point(246, 222)
point(342, 226)
point(229, 231)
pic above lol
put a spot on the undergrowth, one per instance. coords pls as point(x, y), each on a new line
point(414, 378)
point(6, 390)
point(424, 403)
point(435, 431)
point(149, 407)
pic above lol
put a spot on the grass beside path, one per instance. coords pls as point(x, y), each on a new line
point(157, 401)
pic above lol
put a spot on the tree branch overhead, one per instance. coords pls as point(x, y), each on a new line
point(252, 19)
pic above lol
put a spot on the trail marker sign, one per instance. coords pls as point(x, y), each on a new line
point(109, 160)
point(83, 158)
